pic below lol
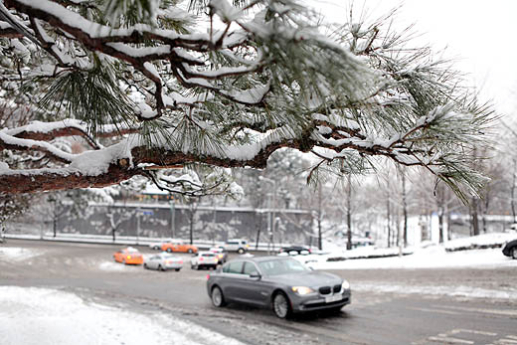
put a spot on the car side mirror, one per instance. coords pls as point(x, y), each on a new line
point(256, 276)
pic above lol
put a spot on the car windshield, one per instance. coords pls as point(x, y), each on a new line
point(276, 267)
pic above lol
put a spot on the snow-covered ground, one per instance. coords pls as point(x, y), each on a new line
point(458, 253)
point(481, 241)
point(432, 257)
point(47, 316)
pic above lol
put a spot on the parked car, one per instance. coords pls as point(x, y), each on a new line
point(178, 246)
point(158, 245)
point(163, 262)
point(204, 259)
point(282, 283)
point(221, 254)
point(237, 245)
point(299, 249)
point(129, 256)
point(510, 249)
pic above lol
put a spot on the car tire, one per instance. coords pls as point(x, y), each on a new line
point(177, 269)
point(146, 267)
point(217, 297)
point(281, 306)
point(169, 250)
point(240, 251)
point(514, 253)
point(160, 268)
point(189, 251)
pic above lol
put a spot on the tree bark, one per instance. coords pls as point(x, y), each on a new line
point(475, 220)
point(404, 208)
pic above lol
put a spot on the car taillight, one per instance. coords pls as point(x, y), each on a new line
point(201, 259)
point(207, 276)
point(310, 250)
point(181, 262)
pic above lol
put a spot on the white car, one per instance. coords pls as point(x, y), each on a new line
point(204, 259)
point(237, 245)
point(163, 262)
point(158, 245)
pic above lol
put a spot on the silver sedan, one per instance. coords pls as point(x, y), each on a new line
point(163, 262)
point(282, 283)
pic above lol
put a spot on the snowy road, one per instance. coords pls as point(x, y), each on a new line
point(396, 306)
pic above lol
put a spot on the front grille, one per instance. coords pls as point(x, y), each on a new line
point(325, 290)
point(337, 288)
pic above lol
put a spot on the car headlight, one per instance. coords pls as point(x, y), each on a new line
point(302, 290)
point(345, 285)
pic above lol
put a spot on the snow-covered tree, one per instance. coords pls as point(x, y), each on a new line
point(158, 84)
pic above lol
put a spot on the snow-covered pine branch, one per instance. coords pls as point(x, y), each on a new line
point(144, 82)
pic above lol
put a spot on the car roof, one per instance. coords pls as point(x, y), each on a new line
point(263, 258)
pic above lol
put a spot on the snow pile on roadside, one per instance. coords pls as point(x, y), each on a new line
point(430, 257)
point(46, 316)
point(493, 240)
point(17, 254)
point(368, 252)
point(438, 290)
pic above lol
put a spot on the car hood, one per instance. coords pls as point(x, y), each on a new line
point(310, 279)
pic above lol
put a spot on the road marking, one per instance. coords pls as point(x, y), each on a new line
point(436, 311)
point(480, 310)
point(460, 330)
point(449, 340)
point(512, 337)
point(506, 341)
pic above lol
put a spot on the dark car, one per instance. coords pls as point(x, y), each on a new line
point(280, 283)
point(296, 248)
point(510, 249)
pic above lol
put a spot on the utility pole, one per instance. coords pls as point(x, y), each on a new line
point(349, 213)
point(173, 216)
point(320, 244)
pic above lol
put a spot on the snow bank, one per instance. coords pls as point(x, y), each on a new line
point(493, 240)
point(46, 316)
point(430, 257)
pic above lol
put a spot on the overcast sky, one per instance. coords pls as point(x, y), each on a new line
point(481, 35)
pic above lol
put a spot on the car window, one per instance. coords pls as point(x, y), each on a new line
point(208, 254)
point(234, 267)
point(232, 242)
point(250, 268)
point(276, 267)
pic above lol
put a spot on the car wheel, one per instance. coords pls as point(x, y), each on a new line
point(190, 251)
point(160, 268)
point(514, 253)
point(217, 297)
point(281, 306)
point(240, 251)
point(169, 250)
point(177, 269)
point(146, 267)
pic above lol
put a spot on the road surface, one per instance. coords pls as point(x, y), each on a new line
point(374, 317)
